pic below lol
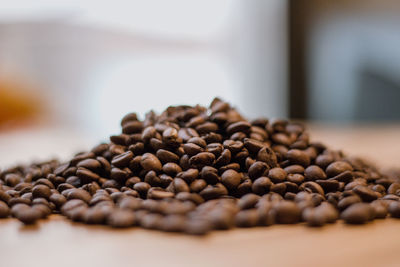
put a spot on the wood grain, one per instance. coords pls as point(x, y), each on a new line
point(57, 242)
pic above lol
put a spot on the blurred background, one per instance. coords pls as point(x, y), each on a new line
point(69, 70)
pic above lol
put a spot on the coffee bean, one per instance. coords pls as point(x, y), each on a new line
point(257, 169)
point(313, 173)
point(79, 194)
point(4, 210)
point(313, 187)
point(248, 201)
point(240, 126)
point(357, 213)
point(189, 175)
point(394, 209)
point(292, 169)
point(180, 185)
point(90, 164)
point(365, 193)
point(150, 162)
point(158, 193)
point(197, 227)
point(337, 168)
point(121, 218)
point(28, 215)
point(247, 218)
point(166, 156)
point(210, 175)
point(296, 156)
point(86, 174)
point(286, 212)
point(344, 203)
point(231, 179)
point(122, 160)
point(197, 185)
point(202, 159)
point(41, 191)
point(261, 185)
point(277, 175)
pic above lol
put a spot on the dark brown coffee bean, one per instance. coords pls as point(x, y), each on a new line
point(244, 187)
point(122, 160)
point(248, 201)
point(231, 179)
point(247, 218)
point(189, 175)
point(296, 156)
point(313, 187)
point(323, 161)
point(41, 191)
point(357, 213)
point(337, 168)
point(180, 185)
point(261, 185)
point(197, 185)
point(365, 193)
point(142, 188)
point(240, 126)
point(202, 159)
point(380, 209)
point(150, 162)
point(28, 215)
point(344, 203)
point(87, 175)
point(277, 175)
point(345, 177)
point(257, 169)
point(252, 145)
point(328, 185)
point(58, 199)
point(158, 193)
point(213, 191)
point(286, 212)
point(173, 223)
point(90, 164)
point(166, 156)
point(394, 209)
point(4, 210)
point(292, 169)
point(151, 221)
point(79, 194)
point(313, 173)
point(121, 218)
point(193, 197)
point(132, 127)
point(393, 188)
point(197, 227)
point(233, 146)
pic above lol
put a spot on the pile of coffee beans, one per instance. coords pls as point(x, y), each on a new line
point(196, 169)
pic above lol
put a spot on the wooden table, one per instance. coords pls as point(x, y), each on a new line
point(57, 242)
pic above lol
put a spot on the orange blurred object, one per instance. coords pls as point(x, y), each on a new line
point(18, 105)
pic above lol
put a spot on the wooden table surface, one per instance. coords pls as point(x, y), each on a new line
point(57, 242)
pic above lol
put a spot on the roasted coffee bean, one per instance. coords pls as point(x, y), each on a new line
point(244, 187)
point(28, 215)
point(328, 185)
point(365, 193)
point(380, 209)
point(189, 175)
point(248, 201)
point(231, 179)
point(313, 173)
point(277, 175)
point(122, 160)
point(337, 168)
point(197, 185)
point(202, 159)
point(86, 174)
point(261, 185)
point(81, 194)
point(121, 218)
point(344, 203)
point(357, 213)
point(4, 210)
point(257, 169)
point(150, 162)
point(213, 192)
point(90, 164)
point(166, 156)
point(158, 193)
point(292, 169)
point(286, 212)
point(58, 199)
point(345, 177)
point(180, 185)
point(210, 175)
point(296, 156)
point(247, 218)
point(313, 187)
point(41, 191)
point(394, 209)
